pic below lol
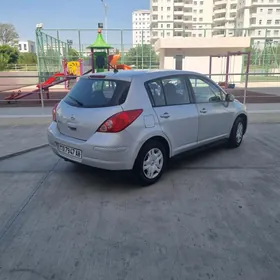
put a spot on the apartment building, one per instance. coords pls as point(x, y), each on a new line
point(261, 17)
point(180, 18)
point(26, 46)
point(141, 27)
point(224, 14)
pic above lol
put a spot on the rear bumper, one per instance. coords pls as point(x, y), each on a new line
point(102, 150)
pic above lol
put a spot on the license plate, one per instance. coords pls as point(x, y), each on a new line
point(70, 151)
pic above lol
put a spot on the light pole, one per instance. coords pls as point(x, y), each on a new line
point(106, 19)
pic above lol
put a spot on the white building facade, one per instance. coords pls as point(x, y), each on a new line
point(181, 18)
point(214, 18)
point(26, 46)
point(141, 27)
point(262, 17)
point(224, 14)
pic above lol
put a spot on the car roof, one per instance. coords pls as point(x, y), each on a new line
point(143, 74)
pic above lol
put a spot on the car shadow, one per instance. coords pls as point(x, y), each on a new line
point(191, 157)
point(126, 180)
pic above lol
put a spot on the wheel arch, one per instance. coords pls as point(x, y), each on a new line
point(160, 139)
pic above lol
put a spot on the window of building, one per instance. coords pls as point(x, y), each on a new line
point(19, 47)
point(200, 11)
point(168, 25)
point(277, 21)
point(200, 19)
point(269, 21)
point(276, 32)
point(270, 11)
point(25, 47)
point(259, 32)
point(260, 21)
point(277, 11)
point(161, 8)
point(168, 9)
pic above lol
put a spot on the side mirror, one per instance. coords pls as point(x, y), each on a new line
point(230, 97)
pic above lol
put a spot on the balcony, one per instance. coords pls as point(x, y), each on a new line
point(219, 11)
point(187, 20)
point(179, 4)
point(219, 19)
point(253, 15)
point(220, 2)
point(179, 13)
point(188, 6)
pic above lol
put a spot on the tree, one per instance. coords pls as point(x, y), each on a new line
point(8, 34)
point(11, 52)
point(73, 54)
point(27, 58)
point(142, 56)
point(3, 61)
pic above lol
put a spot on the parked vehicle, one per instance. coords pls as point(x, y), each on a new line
point(138, 120)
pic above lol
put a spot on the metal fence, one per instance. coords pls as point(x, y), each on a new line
point(53, 45)
point(19, 89)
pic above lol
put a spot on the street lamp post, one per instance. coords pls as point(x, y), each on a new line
point(106, 19)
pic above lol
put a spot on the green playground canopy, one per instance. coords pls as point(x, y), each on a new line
point(99, 43)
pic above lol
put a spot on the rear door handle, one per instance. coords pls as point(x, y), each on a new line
point(165, 115)
point(203, 111)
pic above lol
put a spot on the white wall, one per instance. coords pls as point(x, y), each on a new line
point(26, 46)
point(201, 64)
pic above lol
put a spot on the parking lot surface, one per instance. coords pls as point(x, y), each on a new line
point(215, 214)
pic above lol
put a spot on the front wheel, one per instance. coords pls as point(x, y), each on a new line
point(237, 133)
point(150, 163)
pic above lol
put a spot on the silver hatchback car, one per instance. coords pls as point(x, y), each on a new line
point(137, 120)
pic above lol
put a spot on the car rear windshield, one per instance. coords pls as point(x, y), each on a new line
point(96, 93)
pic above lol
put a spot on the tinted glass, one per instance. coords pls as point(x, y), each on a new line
point(94, 93)
point(205, 91)
point(175, 91)
point(157, 94)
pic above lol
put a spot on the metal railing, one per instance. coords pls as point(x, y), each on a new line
point(23, 91)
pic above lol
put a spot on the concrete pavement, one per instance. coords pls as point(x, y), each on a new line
point(214, 215)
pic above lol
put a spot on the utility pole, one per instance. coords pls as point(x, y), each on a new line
point(105, 19)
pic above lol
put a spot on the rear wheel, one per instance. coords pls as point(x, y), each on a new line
point(150, 163)
point(237, 133)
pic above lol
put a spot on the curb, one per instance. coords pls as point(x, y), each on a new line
point(23, 152)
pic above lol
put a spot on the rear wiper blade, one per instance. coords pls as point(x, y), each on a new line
point(78, 102)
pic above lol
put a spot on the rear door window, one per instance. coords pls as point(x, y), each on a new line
point(95, 93)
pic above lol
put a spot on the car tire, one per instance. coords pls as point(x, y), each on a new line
point(237, 133)
point(150, 163)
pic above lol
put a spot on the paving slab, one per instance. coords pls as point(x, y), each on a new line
point(17, 138)
point(214, 215)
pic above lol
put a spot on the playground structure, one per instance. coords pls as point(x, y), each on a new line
point(226, 84)
point(101, 61)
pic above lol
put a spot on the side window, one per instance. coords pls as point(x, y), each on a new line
point(156, 92)
point(175, 90)
point(205, 91)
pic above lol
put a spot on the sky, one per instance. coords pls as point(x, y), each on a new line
point(57, 14)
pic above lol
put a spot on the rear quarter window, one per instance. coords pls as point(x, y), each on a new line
point(96, 93)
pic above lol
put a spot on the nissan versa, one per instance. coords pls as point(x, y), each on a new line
point(138, 120)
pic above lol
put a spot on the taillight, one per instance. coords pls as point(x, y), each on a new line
point(120, 121)
point(54, 112)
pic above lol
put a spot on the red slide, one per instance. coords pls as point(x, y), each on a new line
point(51, 81)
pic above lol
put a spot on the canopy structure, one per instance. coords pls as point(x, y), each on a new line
point(99, 43)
